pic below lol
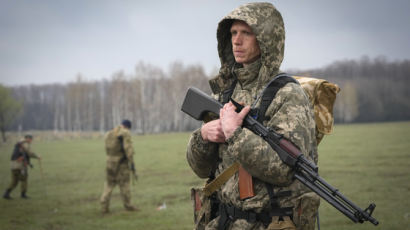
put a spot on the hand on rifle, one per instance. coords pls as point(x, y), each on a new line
point(230, 119)
point(212, 131)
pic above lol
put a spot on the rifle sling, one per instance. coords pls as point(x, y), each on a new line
point(221, 179)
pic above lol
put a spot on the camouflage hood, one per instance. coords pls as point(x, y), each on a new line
point(267, 24)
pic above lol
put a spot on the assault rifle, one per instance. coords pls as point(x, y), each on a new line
point(199, 105)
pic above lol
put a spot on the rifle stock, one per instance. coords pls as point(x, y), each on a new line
point(197, 104)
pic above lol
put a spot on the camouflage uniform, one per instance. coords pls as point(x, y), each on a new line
point(117, 169)
point(289, 114)
point(19, 170)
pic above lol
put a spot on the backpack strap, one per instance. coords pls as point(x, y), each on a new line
point(269, 93)
point(227, 94)
point(266, 97)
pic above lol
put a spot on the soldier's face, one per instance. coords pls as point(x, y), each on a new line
point(245, 47)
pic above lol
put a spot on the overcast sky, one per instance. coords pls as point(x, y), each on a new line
point(52, 41)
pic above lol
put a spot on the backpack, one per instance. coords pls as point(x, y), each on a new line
point(322, 95)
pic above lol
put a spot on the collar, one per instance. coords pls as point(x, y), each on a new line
point(247, 76)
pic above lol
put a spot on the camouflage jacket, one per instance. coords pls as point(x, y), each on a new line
point(24, 147)
point(290, 114)
point(115, 152)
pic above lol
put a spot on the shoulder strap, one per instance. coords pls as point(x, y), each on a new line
point(270, 91)
point(227, 94)
point(221, 179)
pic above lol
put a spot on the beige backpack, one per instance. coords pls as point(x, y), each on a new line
point(322, 95)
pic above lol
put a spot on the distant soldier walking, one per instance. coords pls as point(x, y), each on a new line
point(20, 160)
point(120, 163)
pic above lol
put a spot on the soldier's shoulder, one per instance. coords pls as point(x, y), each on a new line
point(111, 133)
point(108, 132)
point(291, 87)
point(123, 132)
point(24, 144)
point(288, 98)
point(21, 141)
point(292, 92)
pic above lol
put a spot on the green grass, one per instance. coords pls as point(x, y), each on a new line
point(366, 162)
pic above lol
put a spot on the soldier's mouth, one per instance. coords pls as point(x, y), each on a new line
point(238, 53)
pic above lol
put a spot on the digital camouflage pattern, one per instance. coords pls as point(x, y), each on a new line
point(118, 171)
point(19, 170)
point(290, 114)
point(322, 95)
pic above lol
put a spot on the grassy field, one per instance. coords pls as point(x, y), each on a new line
point(367, 162)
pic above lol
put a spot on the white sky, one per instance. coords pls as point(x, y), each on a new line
point(52, 41)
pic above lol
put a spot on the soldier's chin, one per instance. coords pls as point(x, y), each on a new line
point(240, 60)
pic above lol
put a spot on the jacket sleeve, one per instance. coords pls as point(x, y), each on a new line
point(290, 115)
point(33, 155)
point(129, 150)
point(201, 155)
point(26, 148)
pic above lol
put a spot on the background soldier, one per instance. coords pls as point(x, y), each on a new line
point(20, 159)
point(251, 47)
point(118, 146)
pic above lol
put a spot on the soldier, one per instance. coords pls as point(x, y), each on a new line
point(251, 48)
point(20, 159)
point(118, 146)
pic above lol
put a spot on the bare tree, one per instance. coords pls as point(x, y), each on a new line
point(347, 106)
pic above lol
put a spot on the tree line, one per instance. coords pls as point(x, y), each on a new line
point(372, 90)
point(150, 98)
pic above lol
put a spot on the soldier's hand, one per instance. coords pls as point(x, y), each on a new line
point(212, 131)
point(230, 119)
